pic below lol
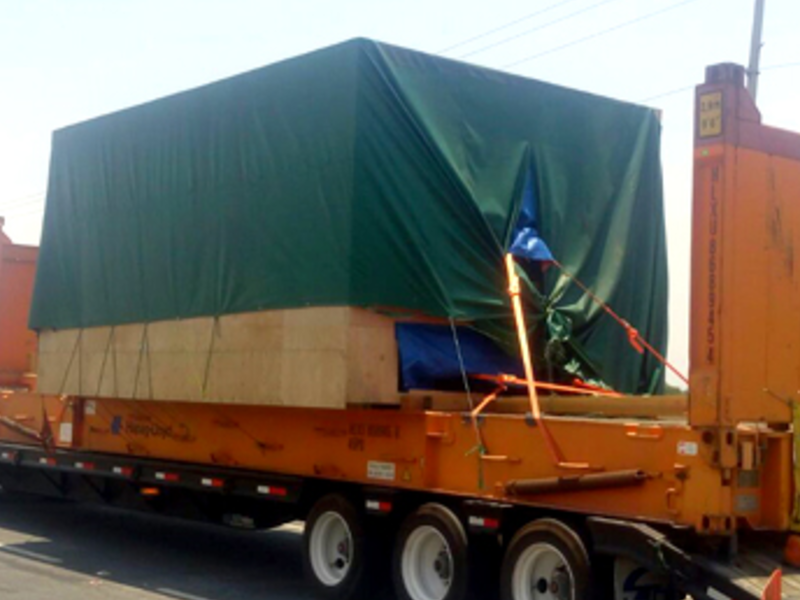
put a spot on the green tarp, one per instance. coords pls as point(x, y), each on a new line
point(367, 175)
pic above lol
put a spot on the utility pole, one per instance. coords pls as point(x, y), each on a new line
point(755, 49)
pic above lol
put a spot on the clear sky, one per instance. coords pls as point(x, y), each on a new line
point(63, 61)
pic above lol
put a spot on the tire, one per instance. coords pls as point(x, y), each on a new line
point(546, 560)
point(430, 556)
point(334, 548)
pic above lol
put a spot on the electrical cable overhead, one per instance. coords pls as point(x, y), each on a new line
point(781, 66)
point(18, 205)
point(29, 199)
point(506, 26)
point(600, 33)
point(503, 41)
point(23, 214)
point(687, 88)
point(665, 94)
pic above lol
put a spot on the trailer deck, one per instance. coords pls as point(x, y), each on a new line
point(754, 564)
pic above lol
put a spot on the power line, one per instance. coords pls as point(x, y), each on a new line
point(665, 94)
point(600, 33)
point(32, 195)
point(38, 197)
point(539, 28)
point(766, 69)
point(25, 214)
point(781, 66)
point(506, 26)
point(16, 205)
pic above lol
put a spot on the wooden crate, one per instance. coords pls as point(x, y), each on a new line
point(315, 357)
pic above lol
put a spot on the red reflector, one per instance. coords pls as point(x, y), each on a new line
point(279, 491)
point(212, 482)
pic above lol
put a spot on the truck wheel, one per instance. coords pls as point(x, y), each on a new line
point(334, 548)
point(546, 560)
point(430, 557)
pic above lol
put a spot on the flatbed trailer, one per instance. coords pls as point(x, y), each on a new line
point(584, 498)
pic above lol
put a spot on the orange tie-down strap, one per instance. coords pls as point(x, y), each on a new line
point(634, 337)
point(578, 386)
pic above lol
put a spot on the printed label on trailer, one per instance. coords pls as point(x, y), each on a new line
point(65, 433)
point(687, 448)
point(384, 471)
point(90, 407)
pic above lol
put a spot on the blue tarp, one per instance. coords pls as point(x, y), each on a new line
point(429, 358)
point(526, 240)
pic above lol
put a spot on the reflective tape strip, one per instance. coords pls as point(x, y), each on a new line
point(270, 490)
point(379, 506)
point(87, 466)
point(124, 471)
point(484, 522)
point(212, 482)
point(161, 476)
point(50, 462)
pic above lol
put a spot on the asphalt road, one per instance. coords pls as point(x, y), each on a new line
point(52, 550)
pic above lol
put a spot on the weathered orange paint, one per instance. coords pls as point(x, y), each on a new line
point(17, 342)
point(438, 452)
point(745, 342)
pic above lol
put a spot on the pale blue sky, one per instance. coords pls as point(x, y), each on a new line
point(63, 61)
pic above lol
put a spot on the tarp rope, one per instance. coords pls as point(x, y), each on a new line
point(480, 448)
point(109, 343)
point(639, 343)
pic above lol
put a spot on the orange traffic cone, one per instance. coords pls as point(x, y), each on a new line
point(773, 589)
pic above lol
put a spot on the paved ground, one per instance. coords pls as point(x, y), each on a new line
point(54, 550)
point(60, 551)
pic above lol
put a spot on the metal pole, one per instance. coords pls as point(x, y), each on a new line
point(755, 49)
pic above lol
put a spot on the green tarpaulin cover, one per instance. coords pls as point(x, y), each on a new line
point(369, 175)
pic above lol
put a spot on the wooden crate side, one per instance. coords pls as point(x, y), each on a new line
point(316, 357)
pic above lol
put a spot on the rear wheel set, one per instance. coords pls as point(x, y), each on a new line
point(545, 560)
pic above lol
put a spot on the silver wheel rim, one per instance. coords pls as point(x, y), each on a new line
point(331, 548)
point(542, 573)
point(427, 564)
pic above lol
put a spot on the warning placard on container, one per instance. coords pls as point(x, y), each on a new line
point(710, 117)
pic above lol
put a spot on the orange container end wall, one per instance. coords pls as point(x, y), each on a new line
point(745, 341)
point(17, 342)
